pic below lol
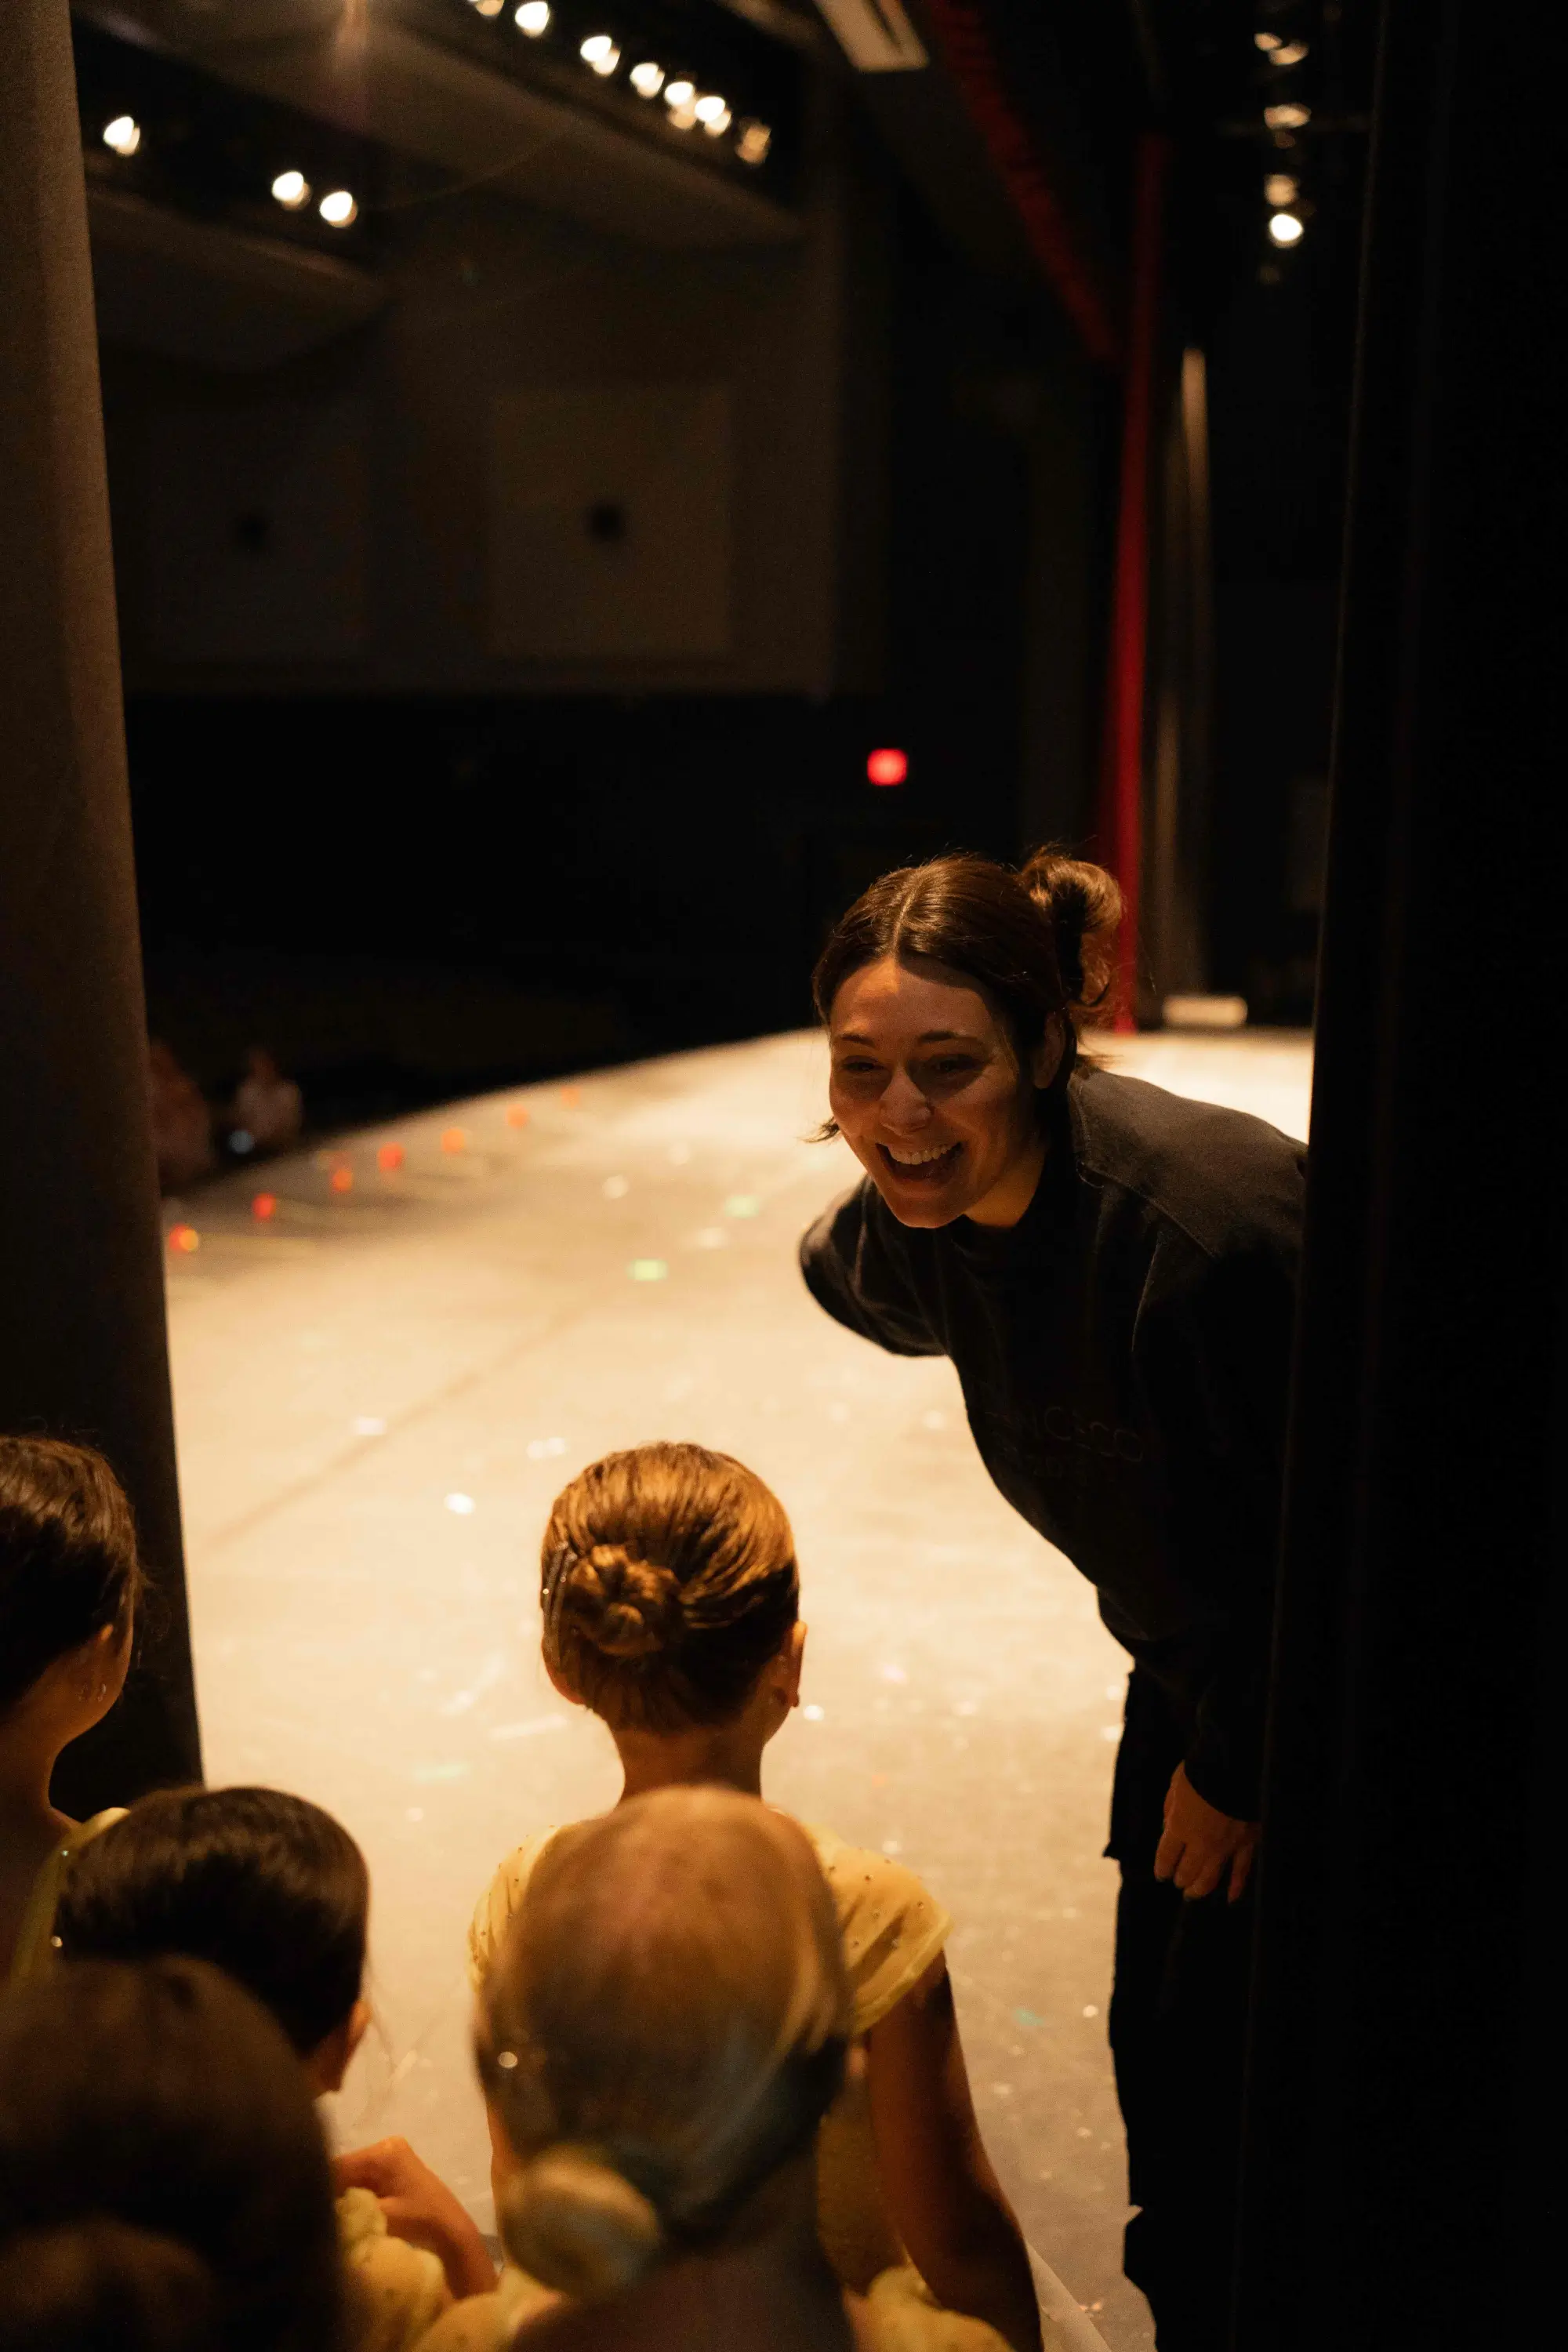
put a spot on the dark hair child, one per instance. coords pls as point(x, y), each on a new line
point(163, 2185)
point(69, 1583)
point(274, 1891)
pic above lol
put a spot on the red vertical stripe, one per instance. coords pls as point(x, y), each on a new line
point(1121, 808)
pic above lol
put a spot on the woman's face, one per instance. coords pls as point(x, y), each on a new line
point(929, 1094)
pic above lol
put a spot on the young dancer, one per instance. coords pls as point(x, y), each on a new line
point(275, 1891)
point(69, 1578)
point(163, 2187)
point(665, 2025)
point(670, 1601)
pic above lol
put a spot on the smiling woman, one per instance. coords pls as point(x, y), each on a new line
point(1112, 1270)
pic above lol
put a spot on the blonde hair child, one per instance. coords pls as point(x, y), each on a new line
point(666, 2023)
point(670, 1598)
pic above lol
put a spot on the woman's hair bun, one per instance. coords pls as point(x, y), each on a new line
point(577, 2224)
point(1084, 905)
point(627, 1607)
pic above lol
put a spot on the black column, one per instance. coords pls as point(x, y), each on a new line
point(1408, 2004)
point(82, 1348)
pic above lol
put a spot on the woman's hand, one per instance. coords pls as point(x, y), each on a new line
point(420, 2208)
point(1201, 1843)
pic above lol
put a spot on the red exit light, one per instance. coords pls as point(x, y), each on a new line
point(887, 767)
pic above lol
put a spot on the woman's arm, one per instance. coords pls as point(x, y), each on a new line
point(944, 2200)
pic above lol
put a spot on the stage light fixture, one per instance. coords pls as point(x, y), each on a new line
point(679, 95)
point(1285, 228)
point(1289, 117)
point(338, 209)
point(753, 142)
point(488, 7)
point(715, 125)
point(1290, 54)
point(291, 190)
point(887, 766)
point(646, 79)
point(709, 108)
point(123, 135)
point(600, 52)
point(1282, 189)
point(532, 18)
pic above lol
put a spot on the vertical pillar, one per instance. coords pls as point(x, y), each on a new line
point(82, 1346)
point(1408, 2014)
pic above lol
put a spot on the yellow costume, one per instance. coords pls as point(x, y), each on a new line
point(397, 2292)
point(892, 1930)
point(903, 2319)
point(35, 1936)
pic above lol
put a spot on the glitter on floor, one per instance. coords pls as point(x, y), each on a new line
point(380, 1385)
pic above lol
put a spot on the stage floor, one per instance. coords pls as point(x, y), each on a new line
point(380, 1388)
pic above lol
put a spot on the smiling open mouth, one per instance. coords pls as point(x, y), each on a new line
point(923, 1167)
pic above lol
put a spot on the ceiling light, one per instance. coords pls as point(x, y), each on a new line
point(715, 125)
point(1267, 42)
point(532, 18)
point(1281, 188)
point(338, 209)
point(489, 8)
point(753, 142)
point(1287, 118)
point(123, 135)
point(1285, 228)
point(646, 79)
point(1291, 54)
point(292, 189)
point(710, 108)
point(600, 52)
point(678, 94)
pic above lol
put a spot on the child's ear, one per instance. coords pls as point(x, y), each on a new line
point(330, 2060)
point(793, 1658)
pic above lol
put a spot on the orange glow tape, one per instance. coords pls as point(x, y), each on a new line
point(184, 1238)
point(454, 1139)
point(390, 1156)
point(342, 1180)
point(264, 1205)
point(517, 1115)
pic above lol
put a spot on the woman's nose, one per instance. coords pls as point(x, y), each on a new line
point(903, 1101)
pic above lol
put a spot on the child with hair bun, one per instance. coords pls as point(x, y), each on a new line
point(670, 1599)
point(70, 1581)
point(272, 1890)
point(664, 2025)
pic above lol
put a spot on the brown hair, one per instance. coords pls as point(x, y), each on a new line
point(69, 1563)
point(669, 1581)
point(263, 1884)
point(1037, 942)
point(163, 2098)
point(664, 2028)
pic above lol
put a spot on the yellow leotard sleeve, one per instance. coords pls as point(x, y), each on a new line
point(35, 1938)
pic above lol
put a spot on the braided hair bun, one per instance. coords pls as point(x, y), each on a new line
point(627, 1607)
point(669, 1582)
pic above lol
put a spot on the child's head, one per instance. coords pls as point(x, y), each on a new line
point(664, 2029)
point(161, 2172)
point(268, 1888)
point(69, 1578)
point(668, 1587)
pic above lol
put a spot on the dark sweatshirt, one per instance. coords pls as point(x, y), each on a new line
point(1124, 1355)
